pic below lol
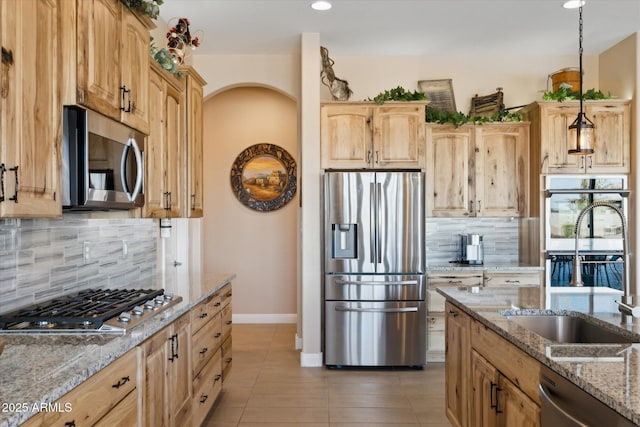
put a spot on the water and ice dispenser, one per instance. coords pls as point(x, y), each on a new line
point(344, 240)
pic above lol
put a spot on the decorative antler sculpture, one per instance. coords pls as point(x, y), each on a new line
point(339, 88)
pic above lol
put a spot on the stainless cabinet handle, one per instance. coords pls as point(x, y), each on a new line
point(512, 281)
point(228, 360)
point(479, 205)
point(204, 351)
point(590, 162)
point(193, 202)
point(453, 313)
point(217, 335)
point(203, 398)
point(228, 322)
point(217, 378)
point(177, 263)
point(368, 157)
point(377, 157)
point(70, 423)
point(7, 61)
point(455, 282)
point(203, 315)
point(167, 200)
point(15, 196)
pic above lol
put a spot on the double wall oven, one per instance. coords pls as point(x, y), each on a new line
point(600, 246)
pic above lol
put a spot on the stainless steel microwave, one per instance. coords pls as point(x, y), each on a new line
point(102, 162)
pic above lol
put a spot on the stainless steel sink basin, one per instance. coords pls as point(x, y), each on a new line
point(571, 329)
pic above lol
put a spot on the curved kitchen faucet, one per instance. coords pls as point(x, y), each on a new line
point(626, 306)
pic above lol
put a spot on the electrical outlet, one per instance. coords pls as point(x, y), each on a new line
point(86, 252)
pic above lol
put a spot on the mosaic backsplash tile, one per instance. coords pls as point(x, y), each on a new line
point(500, 238)
point(44, 258)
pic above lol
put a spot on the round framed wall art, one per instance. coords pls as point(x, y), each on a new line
point(263, 177)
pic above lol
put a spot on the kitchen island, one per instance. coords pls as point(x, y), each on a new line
point(610, 373)
point(36, 370)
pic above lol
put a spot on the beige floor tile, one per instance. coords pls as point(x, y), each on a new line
point(267, 387)
point(285, 415)
point(371, 415)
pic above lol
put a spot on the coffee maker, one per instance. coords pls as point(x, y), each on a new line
point(471, 249)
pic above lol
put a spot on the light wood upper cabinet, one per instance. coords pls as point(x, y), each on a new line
point(550, 122)
point(477, 170)
point(366, 135)
point(30, 135)
point(194, 192)
point(164, 153)
point(111, 50)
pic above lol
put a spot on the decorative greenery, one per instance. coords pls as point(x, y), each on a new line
point(148, 7)
point(458, 119)
point(398, 94)
point(565, 92)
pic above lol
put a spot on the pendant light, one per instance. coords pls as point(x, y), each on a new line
point(581, 131)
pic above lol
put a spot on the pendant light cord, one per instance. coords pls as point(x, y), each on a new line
point(580, 55)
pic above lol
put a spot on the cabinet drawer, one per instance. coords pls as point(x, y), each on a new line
point(207, 384)
point(227, 358)
point(205, 342)
point(124, 414)
point(470, 278)
point(226, 321)
point(435, 302)
point(96, 396)
point(205, 311)
point(225, 295)
point(492, 278)
point(436, 337)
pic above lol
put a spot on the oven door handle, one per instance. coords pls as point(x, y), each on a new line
point(367, 283)
point(123, 169)
point(377, 310)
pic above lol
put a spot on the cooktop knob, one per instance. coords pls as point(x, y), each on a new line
point(124, 317)
point(137, 310)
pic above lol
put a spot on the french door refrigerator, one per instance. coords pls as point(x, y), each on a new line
point(374, 268)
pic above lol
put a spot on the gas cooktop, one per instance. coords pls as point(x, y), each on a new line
point(89, 311)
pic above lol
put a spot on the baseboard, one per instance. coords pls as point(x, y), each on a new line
point(264, 318)
point(311, 360)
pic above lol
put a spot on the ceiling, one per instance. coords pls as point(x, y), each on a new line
point(406, 27)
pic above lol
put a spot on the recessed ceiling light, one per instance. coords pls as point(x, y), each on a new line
point(573, 4)
point(321, 5)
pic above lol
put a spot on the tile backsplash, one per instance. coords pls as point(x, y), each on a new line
point(500, 238)
point(44, 258)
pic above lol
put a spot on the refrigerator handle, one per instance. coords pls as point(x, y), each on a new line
point(378, 223)
point(372, 221)
point(377, 310)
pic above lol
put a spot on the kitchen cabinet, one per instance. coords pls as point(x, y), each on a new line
point(529, 296)
point(30, 135)
point(194, 179)
point(488, 381)
point(164, 151)
point(108, 61)
point(477, 170)
point(206, 356)
point(356, 135)
point(227, 354)
point(436, 338)
point(165, 368)
point(457, 366)
point(550, 122)
point(109, 395)
point(496, 401)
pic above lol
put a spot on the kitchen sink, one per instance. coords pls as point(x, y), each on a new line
point(571, 329)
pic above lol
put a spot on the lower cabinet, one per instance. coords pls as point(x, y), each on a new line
point(166, 372)
point(489, 382)
point(108, 398)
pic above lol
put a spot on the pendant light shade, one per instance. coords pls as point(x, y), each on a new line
point(582, 130)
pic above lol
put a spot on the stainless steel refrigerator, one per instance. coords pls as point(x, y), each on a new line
point(374, 268)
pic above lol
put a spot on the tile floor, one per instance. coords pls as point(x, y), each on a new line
point(267, 387)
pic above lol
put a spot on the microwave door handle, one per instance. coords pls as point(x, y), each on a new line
point(123, 169)
point(139, 172)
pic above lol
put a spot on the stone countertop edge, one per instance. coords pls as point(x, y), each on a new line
point(603, 387)
point(481, 267)
point(87, 358)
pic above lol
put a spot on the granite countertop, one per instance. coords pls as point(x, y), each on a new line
point(611, 373)
point(490, 266)
point(39, 368)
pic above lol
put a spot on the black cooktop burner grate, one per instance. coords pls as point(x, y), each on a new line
point(87, 309)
